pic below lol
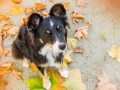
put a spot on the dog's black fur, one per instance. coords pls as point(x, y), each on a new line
point(28, 43)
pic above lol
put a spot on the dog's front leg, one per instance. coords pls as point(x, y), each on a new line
point(25, 63)
point(45, 77)
point(63, 72)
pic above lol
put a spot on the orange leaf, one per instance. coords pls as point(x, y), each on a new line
point(23, 21)
point(6, 25)
point(82, 32)
point(16, 10)
point(3, 17)
point(39, 6)
point(52, 0)
point(59, 79)
point(8, 65)
point(4, 34)
point(7, 51)
point(105, 83)
point(17, 1)
point(3, 83)
point(17, 74)
point(81, 3)
point(77, 14)
point(1, 48)
point(28, 10)
point(115, 52)
point(33, 67)
point(67, 5)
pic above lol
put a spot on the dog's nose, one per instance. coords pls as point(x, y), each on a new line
point(62, 47)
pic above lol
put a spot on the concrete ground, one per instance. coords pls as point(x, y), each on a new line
point(105, 20)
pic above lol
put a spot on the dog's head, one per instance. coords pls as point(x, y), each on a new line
point(53, 29)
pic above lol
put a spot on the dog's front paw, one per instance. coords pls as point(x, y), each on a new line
point(46, 83)
point(64, 73)
point(25, 64)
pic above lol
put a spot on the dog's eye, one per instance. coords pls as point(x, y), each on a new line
point(48, 32)
point(58, 27)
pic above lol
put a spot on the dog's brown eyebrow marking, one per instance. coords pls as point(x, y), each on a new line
point(48, 32)
point(41, 40)
point(58, 27)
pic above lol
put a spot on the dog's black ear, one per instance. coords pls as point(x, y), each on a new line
point(34, 20)
point(58, 10)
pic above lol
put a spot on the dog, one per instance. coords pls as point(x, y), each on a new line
point(44, 42)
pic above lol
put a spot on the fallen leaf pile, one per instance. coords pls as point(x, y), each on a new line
point(105, 83)
point(8, 68)
point(115, 52)
point(82, 32)
point(74, 82)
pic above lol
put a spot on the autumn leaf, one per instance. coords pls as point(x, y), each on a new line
point(3, 83)
point(1, 46)
point(60, 80)
point(13, 31)
point(105, 83)
point(75, 21)
point(52, 0)
point(16, 10)
point(115, 52)
point(4, 34)
point(6, 25)
point(17, 74)
point(67, 59)
point(3, 17)
point(17, 1)
point(77, 14)
point(33, 67)
point(23, 21)
point(71, 42)
point(82, 32)
point(81, 3)
point(74, 82)
point(7, 51)
point(39, 6)
point(78, 49)
point(67, 5)
point(28, 10)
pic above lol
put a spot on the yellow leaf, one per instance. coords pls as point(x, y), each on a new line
point(71, 42)
point(59, 79)
point(67, 5)
point(33, 67)
point(74, 82)
point(16, 10)
point(67, 57)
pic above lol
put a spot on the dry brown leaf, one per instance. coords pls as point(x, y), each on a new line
point(23, 21)
point(52, 0)
point(17, 74)
point(82, 32)
point(7, 65)
point(17, 1)
point(115, 52)
point(28, 10)
point(4, 34)
point(77, 14)
point(75, 21)
point(79, 50)
point(13, 31)
point(105, 83)
point(81, 3)
point(15, 10)
point(39, 6)
point(3, 17)
point(7, 51)
point(1, 46)
point(67, 5)
point(3, 83)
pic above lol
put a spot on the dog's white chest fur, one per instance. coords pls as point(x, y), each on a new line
point(50, 55)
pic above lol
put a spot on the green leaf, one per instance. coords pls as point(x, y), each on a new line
point(102, 36)
point(71, 42)
point(35, 83)
point(53, 79)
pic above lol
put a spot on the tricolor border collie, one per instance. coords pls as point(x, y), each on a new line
point(43, 41)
